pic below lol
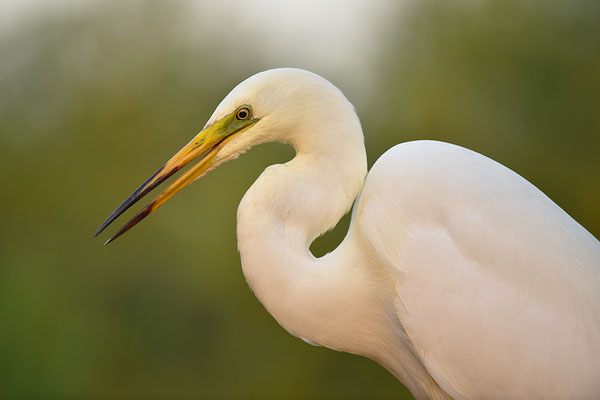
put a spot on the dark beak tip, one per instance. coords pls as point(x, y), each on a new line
point(104, 225)
point(137, 194)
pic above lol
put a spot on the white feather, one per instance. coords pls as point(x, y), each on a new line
point(457, 275)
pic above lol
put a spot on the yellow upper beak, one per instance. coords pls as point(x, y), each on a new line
point(205, 145)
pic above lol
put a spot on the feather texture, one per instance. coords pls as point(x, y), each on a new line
point(458, 275)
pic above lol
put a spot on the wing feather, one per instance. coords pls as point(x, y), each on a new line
point(497, 287)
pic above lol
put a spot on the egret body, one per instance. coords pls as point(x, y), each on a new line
point(457, 275)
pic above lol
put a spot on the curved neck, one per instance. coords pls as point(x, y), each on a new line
point(290, 205)
point(281, 214)
point(339, 300)
point(330, 300)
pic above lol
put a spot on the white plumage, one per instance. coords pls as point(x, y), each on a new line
point(457, 275)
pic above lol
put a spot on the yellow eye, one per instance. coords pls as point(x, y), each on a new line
point(243, 113)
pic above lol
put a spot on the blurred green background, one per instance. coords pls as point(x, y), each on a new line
point(95, 97)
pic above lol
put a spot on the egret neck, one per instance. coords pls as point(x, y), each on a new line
point(341, 300)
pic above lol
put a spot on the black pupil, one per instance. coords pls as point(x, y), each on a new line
point(243, 114)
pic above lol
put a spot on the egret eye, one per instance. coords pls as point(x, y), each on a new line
point(243, 113)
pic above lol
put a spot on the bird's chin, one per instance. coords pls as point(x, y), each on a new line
point(238, 145)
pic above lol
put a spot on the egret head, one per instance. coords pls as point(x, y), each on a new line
point(290, 105)
point(285, 105)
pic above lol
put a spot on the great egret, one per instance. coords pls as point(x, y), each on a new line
point(457, 275)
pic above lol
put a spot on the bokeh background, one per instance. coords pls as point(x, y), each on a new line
point(96, 95)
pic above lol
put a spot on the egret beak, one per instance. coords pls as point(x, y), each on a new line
point(205, 145)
